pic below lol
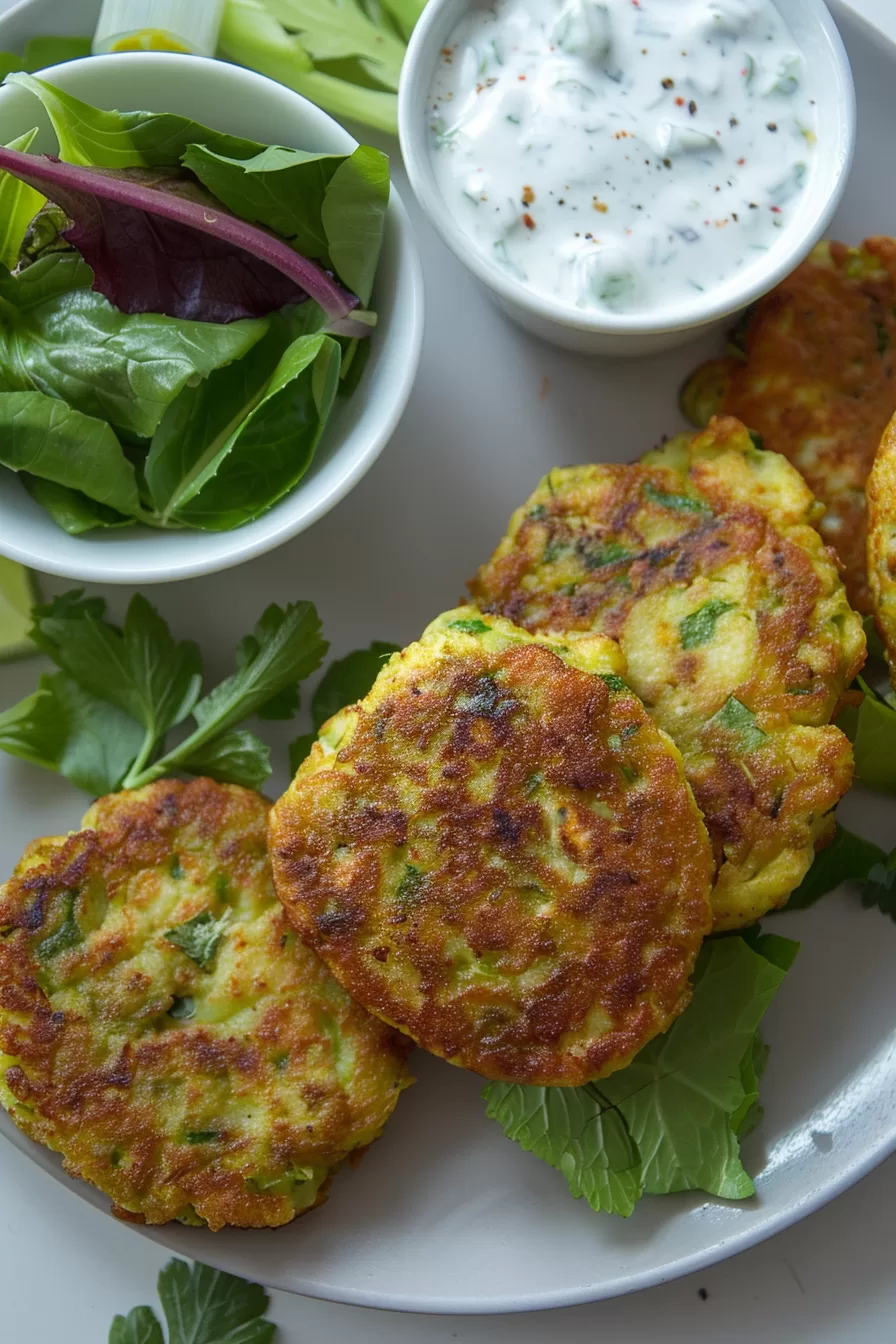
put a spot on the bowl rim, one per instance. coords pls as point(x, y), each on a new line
point(429, 35)
point(282, 524)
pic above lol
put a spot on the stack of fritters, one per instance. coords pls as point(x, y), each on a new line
point(703, 560)
point(497, 851)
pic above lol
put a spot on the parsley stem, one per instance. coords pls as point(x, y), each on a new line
point(132, 779)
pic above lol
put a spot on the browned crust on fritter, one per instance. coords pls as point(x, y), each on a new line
point(619, 943)
point(92, 1085)
point(820, 359)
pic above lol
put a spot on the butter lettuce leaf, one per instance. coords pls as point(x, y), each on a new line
point(330, 207)
point(61, 338)
point(235, 476)
point(93, 137)
point(672, 1119)
point(18, 206)
point(575, 1130)
point(48, 439)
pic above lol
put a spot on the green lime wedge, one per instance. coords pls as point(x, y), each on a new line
point(16, 599)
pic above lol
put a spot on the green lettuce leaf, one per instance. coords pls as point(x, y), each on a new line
point(575, 1130)
point(679, 1094)
point(60, 338)
point(92, 137)
point(670, 1121)
point(330, 207)
point(233, 473)
point(19, 203)
point(48, 439)
point(872, 728)
point(71, 509)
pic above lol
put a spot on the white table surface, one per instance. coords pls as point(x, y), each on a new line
point(65, 1269)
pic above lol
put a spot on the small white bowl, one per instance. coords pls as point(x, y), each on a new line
point(232, 99)
point(607, 333)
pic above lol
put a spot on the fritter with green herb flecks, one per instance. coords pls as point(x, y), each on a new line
point(497, 852)
point(163, 1028)
point(703, 561)
point(881, 493)
point(812, 369)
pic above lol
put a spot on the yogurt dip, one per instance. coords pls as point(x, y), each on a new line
point(622, 155)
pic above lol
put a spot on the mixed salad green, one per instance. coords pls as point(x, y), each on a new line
point(190, 389)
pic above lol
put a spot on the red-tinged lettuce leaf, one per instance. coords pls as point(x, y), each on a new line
point(156, 243)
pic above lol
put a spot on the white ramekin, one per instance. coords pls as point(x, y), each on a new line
point(604, 333)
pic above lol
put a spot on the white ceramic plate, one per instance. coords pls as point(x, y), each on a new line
point(444, 1215)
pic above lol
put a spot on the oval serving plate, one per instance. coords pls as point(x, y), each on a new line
point(444, 1215)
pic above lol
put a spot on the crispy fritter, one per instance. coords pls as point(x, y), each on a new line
point(811, 369)
point(214, 1073)
point(703, 561)
point(497, 852)
point(881, 492)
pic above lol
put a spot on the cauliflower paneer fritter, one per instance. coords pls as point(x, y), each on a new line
point(703, 561)
point(812, 369)
point(497, 852)
point(163, 1028)
point(881, 493)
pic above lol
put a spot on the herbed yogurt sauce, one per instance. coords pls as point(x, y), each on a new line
point(622, 155)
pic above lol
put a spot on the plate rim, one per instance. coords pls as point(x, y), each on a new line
point(725, 1247)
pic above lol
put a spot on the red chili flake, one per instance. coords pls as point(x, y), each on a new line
point(528, 221)
point(521, 76)
point(741, 162)
point(745, 72)
point(679, 102)
point(775, 209)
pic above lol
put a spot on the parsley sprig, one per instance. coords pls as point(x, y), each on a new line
point(104, 719)
point(201, 1306)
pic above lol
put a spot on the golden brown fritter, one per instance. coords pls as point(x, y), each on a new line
point(811, 369)
point(497, 852)
point(881, 493)
point(703, 561)
point(163, 1028)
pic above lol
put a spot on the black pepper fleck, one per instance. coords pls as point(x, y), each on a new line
point(772, 125)
point(692, 108)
